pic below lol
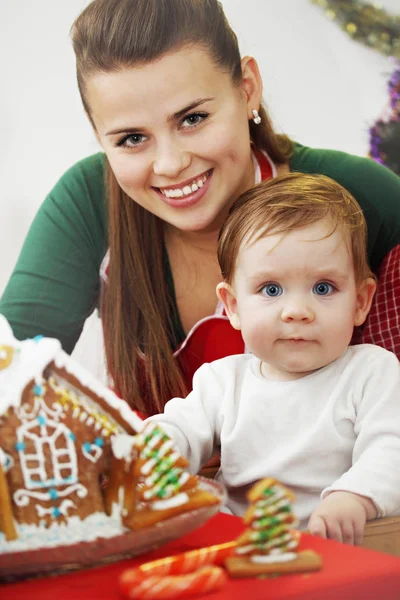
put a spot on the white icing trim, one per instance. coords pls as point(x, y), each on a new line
point(30, 360)
point(22, 497)
point(93, 454)
point(274, 557)
point(62, 360)
point(122, 445)
point(177, 500)
point(50, 434)
point(63, 509)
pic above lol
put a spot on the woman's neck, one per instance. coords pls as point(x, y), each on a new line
point(204, 241)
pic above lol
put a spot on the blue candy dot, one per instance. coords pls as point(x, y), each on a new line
point(53, 494)
point(72, 436)
point(37, 338)
point(56, 512)
point(38, 390)
point(86, 446)
point(99, 442)
point(20, 446)
point(41, 420)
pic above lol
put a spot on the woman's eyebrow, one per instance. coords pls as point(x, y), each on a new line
point(189, 107)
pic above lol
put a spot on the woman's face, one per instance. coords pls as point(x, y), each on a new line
point(176, 134)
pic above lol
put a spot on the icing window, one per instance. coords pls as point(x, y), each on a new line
point(47, 453)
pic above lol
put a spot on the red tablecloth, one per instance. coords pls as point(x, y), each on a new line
point(348, 573)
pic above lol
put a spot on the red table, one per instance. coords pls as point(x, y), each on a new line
point(348, 573)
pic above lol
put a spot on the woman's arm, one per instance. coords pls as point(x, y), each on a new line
point(55, 284)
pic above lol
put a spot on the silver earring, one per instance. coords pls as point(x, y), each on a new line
point(256, 116)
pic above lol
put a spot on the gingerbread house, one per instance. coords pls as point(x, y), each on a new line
point(57, 428)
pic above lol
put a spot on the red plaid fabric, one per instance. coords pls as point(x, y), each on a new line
point(382, 326)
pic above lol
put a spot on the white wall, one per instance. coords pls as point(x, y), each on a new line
point(321, 87)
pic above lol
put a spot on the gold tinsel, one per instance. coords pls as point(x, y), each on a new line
point(367, 23)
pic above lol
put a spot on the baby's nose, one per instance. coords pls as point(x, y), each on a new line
point(297, 310)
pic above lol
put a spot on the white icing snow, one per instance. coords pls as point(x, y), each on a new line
point(30, 537)
point(30, 359)
point(122, 445)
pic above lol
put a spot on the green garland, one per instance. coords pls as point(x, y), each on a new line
point(367, 23)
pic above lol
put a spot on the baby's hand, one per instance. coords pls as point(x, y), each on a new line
point(342, 516)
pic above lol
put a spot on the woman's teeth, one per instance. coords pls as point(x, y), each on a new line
point(186, 190)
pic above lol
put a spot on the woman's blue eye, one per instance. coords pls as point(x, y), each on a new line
point(194, 119)
point(323, 288)
point(272, 290)
point(131, 141)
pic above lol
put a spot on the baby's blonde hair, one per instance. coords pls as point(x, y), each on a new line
point(289, 202)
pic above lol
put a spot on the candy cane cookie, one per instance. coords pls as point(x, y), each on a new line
point(178, 576)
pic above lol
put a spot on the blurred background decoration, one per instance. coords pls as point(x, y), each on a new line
point(367, 23)
point(375, 27)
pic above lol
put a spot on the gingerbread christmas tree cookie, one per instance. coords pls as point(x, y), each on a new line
point(162, 485)
point(270, 544)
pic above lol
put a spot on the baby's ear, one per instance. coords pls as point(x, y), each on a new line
point(365, 295)
point(226, 294)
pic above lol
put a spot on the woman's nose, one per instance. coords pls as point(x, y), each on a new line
point(170, 160)
point(297, 310)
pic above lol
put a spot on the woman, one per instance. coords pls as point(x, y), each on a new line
point(134, 230)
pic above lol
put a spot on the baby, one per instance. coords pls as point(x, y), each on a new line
point(302, 405)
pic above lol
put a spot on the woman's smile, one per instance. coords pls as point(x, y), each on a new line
point(186, 194)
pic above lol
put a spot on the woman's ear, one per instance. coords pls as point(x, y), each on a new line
point(365, 295)
point(251, 84)
point(227, 296)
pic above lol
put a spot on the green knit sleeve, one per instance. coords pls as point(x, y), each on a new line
point(55, 284)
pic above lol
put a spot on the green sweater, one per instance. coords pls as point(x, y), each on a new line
point(55, 284)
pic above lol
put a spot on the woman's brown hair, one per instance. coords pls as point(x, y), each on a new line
point(137, 308)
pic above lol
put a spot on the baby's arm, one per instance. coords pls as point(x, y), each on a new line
point(371, 487)
point(342, 516)
point(193, 422)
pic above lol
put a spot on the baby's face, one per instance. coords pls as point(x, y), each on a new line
point(297, 299)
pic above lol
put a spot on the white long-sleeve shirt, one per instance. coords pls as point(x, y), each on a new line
point(335, 429)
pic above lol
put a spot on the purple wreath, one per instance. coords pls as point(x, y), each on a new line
point(385, 133)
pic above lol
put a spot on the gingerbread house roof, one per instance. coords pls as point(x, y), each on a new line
point(25, 361)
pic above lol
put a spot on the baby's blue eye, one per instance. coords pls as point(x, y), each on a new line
point(272, 290)
point(323, 288)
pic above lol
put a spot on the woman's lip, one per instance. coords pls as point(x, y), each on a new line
point(190, 199)
point(181, 185)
